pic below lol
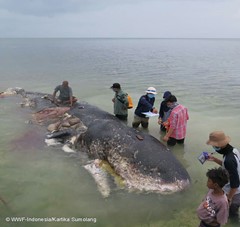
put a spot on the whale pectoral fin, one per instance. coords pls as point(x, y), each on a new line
point(100, 177)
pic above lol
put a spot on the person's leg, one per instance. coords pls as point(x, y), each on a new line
point(144, 122)
point(59, 101)
point(181, 141)
point(122, 117)
point(234, 207)
point(136, 121)
point(171, 141)
point(64, 100)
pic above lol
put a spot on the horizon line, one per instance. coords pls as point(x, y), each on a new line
point(119, 38)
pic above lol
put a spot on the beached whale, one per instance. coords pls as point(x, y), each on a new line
point(142, 161)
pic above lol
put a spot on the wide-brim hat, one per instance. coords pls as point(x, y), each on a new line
point(151, 90)
point(218, 139)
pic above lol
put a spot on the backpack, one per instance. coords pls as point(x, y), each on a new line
point(130, 102)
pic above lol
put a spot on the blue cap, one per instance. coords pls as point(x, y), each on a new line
point(166, 94)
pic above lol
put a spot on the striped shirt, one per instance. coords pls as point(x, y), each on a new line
point(178, 122)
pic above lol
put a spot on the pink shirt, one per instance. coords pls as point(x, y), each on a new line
point(178, 122)
point(213, 208)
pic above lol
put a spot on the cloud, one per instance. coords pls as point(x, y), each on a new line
point(55, 7)
point(120, 18)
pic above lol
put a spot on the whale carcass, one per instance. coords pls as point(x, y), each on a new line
point(142, 161)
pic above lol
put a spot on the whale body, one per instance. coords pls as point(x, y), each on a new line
point(143, 162)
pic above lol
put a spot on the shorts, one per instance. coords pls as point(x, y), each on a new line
point(63, 99)
point(172, 141)
point(203, 224)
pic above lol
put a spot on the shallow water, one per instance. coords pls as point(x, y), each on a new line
point(45, 182)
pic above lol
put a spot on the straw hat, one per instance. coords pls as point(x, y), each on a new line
point(218, 139)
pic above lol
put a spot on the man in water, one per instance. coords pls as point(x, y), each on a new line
point(65, 96)
point(120, 101)
point(145, 104)
point(231, 162)
point(177, 122)
point(164, 111)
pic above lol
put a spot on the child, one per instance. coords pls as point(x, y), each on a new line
point(213, 211)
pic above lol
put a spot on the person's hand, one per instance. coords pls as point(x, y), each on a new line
point(113, 100)
point(229, 200)
point(166, 124)
point(211, 158)
point(155, 110)
point(165, 138)
point(159, 120)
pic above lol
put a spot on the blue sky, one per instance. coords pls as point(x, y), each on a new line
point(120, 18)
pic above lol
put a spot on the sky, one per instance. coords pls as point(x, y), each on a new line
point(120, 18)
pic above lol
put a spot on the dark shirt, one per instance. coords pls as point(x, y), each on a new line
point(145, 104)
point(231, 166)
point(163, 108)
point(65, 92)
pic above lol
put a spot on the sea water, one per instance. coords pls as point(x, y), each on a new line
point(44, 186)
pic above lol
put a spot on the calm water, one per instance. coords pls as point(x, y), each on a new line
point(41, 181)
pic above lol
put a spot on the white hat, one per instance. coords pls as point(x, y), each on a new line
point(151, 90)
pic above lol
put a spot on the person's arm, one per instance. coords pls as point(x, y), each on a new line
point(70, 96)
point(124, 100)
point(214, 159)
point(172, 125)
point(222, 213)
point(147, 105)
point(160, 121)
point(55, 92)
point(232, 167)
point(71, 100)
point(231, 194)
point(54, 95)
point(161, 112)
point(168, 134)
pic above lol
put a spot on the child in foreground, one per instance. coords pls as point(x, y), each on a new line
point(213, 211)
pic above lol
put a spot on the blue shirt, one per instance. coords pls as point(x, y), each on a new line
point(145, 104)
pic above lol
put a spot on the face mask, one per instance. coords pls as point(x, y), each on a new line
point(150, 96)
point(217, 148)
point(171, 106)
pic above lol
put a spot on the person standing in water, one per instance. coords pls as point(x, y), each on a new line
point(120, 102)
point(145, 104)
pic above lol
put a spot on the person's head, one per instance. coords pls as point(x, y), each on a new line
point(166, 94)
point(116, 87)
point(171, 100)
point(217, 178)
point(218, 140)
point(65, 83)
point(151, 92)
